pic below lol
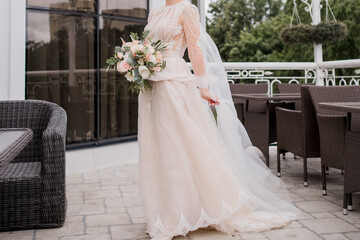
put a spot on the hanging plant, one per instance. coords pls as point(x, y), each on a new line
point(324, 32)
point(297, 34)
point(329, 32)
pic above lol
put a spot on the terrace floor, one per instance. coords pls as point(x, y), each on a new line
point(106, 205)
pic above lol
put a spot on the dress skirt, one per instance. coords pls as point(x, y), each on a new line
point(186, 180)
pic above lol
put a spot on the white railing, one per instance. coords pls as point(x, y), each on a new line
point(263, 72)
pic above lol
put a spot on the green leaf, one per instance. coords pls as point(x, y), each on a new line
point(134, 36)
point(117, 49)
point(137, 75)
point(111, 61)
point(145, 34)
point(151, 65)
point(130, 60)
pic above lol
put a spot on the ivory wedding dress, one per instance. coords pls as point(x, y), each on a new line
point(197, 171)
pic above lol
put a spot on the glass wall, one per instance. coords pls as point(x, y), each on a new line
point(68, 42)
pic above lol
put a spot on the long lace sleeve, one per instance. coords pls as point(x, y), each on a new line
point(191, 23)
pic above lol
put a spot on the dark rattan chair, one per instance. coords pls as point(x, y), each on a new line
point(332, 125)
point(32, 186)
point(351, 166)
point(260, 123)
point(245, 89)
point(297, 132)
point(292, 88)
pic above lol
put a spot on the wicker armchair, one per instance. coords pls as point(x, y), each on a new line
point(260, 123)
point(332, 125)
point(245, 89)
point(292, 88)
point(351, 166)
point(297, 132)
point(32, 186)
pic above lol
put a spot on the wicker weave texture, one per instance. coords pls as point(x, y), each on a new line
point(352, 162)
point(245, 89)
point(297, 131)
point(332, 124)
point(38, 173)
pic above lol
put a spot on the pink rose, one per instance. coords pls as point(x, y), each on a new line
point(157, 69)
point(120, 55)
point(151, 50)
point(159, 57)
point(136, 42)
point(137, 48)
point(123, 66)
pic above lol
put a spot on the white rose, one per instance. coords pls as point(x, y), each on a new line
point(130, 77)
point(144, 72)
point(152, 59)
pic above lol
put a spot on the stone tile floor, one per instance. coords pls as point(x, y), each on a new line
point(106, 205)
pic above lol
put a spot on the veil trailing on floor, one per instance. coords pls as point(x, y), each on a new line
point(267, 192)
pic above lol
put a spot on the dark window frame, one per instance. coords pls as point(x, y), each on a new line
point(99, 141)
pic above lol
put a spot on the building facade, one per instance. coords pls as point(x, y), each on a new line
point(56, 50)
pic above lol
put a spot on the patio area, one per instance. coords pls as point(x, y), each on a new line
point(107, 205)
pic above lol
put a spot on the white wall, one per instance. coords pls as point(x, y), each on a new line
point(91, 159)
point(12, 49)
point(156, 3)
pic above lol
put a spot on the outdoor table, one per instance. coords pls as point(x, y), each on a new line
point(12, 142)
point(260, 119)
point(348, 107)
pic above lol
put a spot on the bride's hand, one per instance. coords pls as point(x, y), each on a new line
point(205, 94)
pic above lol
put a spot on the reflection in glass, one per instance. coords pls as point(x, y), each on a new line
point(60, 67)
point(79, 5)
point(119, 108)
point(132, 8)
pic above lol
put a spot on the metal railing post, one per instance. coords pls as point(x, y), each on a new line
point(318, 53)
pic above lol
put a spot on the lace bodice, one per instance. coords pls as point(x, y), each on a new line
point(178, 26)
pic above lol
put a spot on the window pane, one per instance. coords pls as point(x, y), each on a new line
point(133, 8)
point(119, 109)
point(60, 67)
point(79, 5)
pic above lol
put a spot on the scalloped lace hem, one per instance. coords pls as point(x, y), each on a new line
point(184, 227)
point(159, 231)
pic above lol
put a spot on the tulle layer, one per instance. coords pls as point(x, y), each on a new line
point(187, 178)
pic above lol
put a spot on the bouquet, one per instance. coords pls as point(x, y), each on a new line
point(138, 60)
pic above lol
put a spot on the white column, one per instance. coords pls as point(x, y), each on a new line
point(5, 50)
point(318, 55)
point(12, 48)
point(202, 8)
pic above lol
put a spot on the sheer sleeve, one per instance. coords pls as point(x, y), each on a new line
point(191, 23)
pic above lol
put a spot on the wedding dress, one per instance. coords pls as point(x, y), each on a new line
point(197, 170)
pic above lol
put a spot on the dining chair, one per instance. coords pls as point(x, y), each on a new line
point(297, 132)
point(245, 89)
point(332, 125)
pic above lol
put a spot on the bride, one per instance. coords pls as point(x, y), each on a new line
point(198, 168)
